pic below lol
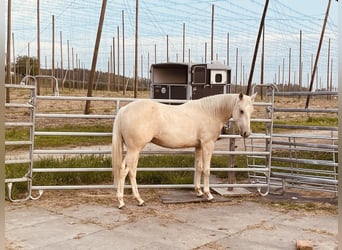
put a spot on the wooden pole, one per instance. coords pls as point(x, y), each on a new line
point(113, 63)
point(123, 54)
point(262, 61)
point(318, 52)
point(236, 65)
point(8, 50)
point(228, 49)
point(53, 48)
point(183, 42)
point(289, 81)
point(14, 64)
point(300, 73)
point(110, 67)
point(212, 33)
point(38, 45)
point(167, 48)
point(61, 48)
point(68, 49)
point(250, 78)
point(328, 69)
point(118, 34)
point(205, 52)
point(136, 49)
point(94, 61)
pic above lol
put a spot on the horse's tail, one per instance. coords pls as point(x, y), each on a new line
point(117, 148)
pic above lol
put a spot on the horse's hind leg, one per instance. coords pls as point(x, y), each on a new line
point(132, 160)
point(121, 183)
point(198, 171)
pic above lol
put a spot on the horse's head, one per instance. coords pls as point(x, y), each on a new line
point(242, 113)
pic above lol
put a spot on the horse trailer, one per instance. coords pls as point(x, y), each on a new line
point(181, 81)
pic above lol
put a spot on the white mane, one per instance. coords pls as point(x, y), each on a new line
point(218, 104)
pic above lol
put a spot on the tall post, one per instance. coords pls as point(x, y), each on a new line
point(236, 65)
point(212, 33)
point(283, 75)
point(167, 48)
point(123, 54)
point(61, 48)
point(148, 65)
point(14, 66)
point(318, 52)
point(53, 48)
point(228, 49)
point(183, 42)
point(189, 55)
point(289, 81)
point(328, 68)
point(205, 52)
point(94, 61)
point(250, 78)
point(8, 49)
point(110, 67)
point(300, 73)
point(68, 51)
point(155, 53)
point(136, 49)
point(38, 46)
point(113, 63)
point(118, 56)
point(262, 61)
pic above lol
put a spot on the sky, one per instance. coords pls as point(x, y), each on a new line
point(76, 24)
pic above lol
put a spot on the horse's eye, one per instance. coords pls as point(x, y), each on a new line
point(241, 112)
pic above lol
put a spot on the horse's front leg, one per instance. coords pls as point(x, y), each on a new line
point(208, 149)
point(198, 171)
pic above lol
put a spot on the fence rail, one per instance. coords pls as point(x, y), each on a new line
point(264, 166)
point(38, 101)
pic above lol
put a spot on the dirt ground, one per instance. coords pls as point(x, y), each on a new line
point(89, 219)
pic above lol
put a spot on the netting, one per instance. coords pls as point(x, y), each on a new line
point(76, 24)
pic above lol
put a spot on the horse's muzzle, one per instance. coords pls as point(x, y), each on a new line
point(245, 134)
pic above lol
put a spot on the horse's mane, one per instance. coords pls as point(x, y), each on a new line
point(218, 104)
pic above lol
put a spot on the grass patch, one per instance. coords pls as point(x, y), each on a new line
point(89, 178)
point(20, 134)
point(309, 121)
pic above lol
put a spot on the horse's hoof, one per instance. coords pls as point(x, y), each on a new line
point(121, 206)
point(141, 204)
point(199, 193)
point(210, 197)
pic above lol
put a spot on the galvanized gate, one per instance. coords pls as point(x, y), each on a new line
point(309, 152)
point(35, 191)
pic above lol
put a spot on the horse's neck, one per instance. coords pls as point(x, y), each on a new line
point(220, 107)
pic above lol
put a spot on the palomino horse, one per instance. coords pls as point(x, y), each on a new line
point(196, 123)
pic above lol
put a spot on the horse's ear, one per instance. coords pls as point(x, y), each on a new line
point(240, 96)
point(253, 97)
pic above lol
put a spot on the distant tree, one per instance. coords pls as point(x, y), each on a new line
point(26, 65)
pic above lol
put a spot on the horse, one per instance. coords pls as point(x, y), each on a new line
point(196, 123)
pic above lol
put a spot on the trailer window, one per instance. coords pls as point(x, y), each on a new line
point(199, 75)
point(218, 76)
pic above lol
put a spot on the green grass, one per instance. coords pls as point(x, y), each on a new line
point(310, 121)
point(16, 134)
point(88, 178)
